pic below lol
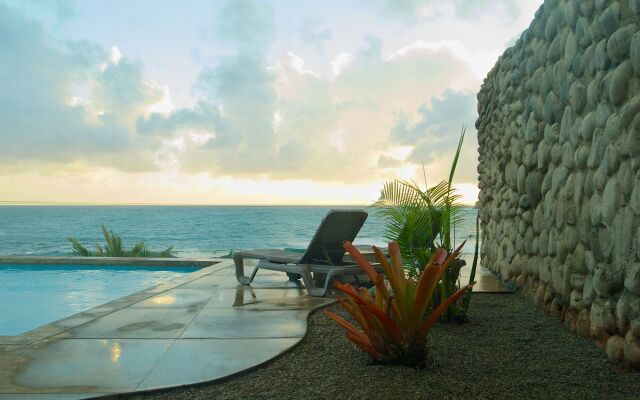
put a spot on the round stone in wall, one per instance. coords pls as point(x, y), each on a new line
point(609, 20)
point(620, 82)
point(635, 52)
point(610, 201)
point(577, 96)
point(619, 43)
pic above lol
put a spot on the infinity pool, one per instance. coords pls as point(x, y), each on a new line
point(34, 295)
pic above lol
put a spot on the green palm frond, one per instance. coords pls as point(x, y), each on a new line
point(138, 250)
point(166, 252)
point(454, 164)
point(114, 248)
point(422, 220)
point(79, 249)
point(114, 244)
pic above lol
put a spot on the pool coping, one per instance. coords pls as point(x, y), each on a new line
point(206, 266)
point(114, 261)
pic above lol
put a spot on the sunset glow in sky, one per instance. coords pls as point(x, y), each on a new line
point(241, 102)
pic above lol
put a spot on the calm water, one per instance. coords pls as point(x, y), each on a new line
point(36, 295)
point(194, 231)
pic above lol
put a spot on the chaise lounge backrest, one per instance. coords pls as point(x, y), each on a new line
point(336, 227)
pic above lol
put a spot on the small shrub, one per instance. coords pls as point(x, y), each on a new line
point(114, 248)
point(395, 325)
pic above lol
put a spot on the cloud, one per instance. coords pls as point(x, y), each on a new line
point(471, 8)
point(324, 129)
point(39, 117)
point(120, 88)
point(251, 119)
point(371, 50)
point(436, 130)
point(238, 102)
point(242, 85)
point(435, 122)
point(415, 10)
point(62, 8)
point(204, 117)
point(247, 23)
point(385, 161)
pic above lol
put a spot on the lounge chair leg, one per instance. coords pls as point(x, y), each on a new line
point(309, 284)
point(327, 281)
point(238, 260)
point(293, 277)
point(322, 290)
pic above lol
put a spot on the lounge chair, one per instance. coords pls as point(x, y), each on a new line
point(324, 256)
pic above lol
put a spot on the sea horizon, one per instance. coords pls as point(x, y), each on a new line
point(43, 203)
point(193, 230)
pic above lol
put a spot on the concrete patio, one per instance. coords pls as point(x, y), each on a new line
point(199, 327)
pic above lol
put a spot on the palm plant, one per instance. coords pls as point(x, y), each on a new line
point(421, 221)
point(114, 248)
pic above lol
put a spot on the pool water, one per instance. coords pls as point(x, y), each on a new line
point(34, 295)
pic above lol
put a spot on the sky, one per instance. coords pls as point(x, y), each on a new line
point(242, 102)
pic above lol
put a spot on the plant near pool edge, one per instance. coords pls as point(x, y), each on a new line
point(394, 327)
point(115, 248)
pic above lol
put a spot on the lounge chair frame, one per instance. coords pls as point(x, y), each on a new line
point(322, 259)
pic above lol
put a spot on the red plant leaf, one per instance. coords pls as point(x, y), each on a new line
point(361, 260)
point(346, 289)
point(355, 312)
point(389, 324)
point(396, 261)
point(381, 258)
point(435, 314)
point(426, 285)
point(343, 323)
point(366, 345)
point(381, 293)
point(398, 280)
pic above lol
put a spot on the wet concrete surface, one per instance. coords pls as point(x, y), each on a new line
point(199, 327)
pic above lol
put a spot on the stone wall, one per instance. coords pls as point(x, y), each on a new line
point(559, 171)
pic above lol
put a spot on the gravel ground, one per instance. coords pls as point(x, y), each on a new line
point(510, 350)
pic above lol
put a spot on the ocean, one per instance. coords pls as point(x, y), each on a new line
point(193, 231)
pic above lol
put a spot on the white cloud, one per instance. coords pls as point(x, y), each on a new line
point(336, 139)
point(478, 62)
point(41, 116)
point(340, 62)
point(324, 126)
point(115, 55)
point(417, 10)
point(375, 115)
point(297, 64)
point(434, 132)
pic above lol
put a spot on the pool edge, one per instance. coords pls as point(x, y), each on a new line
point(59, 326)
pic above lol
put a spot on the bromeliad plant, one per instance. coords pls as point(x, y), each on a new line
point(395, 323)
